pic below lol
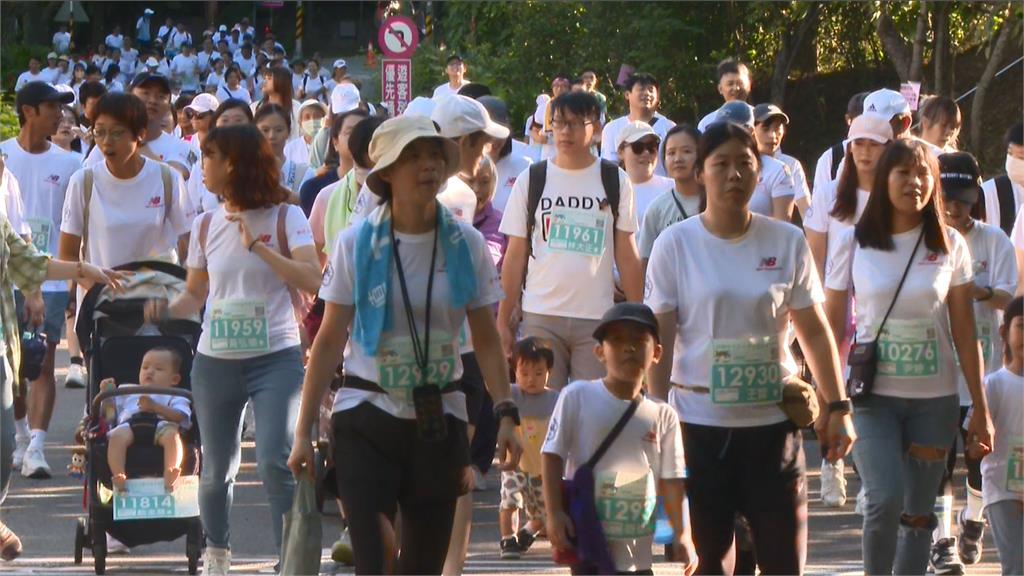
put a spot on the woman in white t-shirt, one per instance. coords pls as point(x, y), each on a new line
point(275, 125)
point(909, 414)
point(725, 286)
point(638, 146)
point(231, 87)
point(686, 198)
point(276, 88)
point(248, 260)
point(837, 207)
point(138, 207)
point(404, 280)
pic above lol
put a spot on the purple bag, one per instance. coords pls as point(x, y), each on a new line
point(578, 498)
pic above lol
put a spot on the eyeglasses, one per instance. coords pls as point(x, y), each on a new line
point(201, 116)
point(575, 125)
point(115, 134)
point(639, 147)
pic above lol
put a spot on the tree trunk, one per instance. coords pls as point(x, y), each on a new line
point(896, 48)
point(940, 24)
point(211, 12)
point(1002, 44)
point(916, 71)
point(790, 48)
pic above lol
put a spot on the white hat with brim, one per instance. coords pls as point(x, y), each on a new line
point(392, 137)
point(311, 103)
point(886, 103)
point(344, 97)
point(634, 131)
point(148, 12)
point(203, 103)
point(420, 106)
point(340, 63)
point(872, 127)
point(460, 115)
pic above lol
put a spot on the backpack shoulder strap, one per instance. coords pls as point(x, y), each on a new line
point(1007, 208)
point(537, 181)
point(282, 230)
point(165, 176)
point(838, 151)
point(610, 182)
point(87, 178)
point(204, 229)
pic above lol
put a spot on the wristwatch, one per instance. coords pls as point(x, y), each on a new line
point(844, 406)
point(507, 408)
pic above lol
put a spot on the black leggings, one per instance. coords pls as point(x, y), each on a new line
point(973, 465)
point(384, 469)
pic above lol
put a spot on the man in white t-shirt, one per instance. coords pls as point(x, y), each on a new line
point(42, 170)
point(1004, 195)
point(560, 258)
point(204, 55)
point(143, 29)
point(51, 73)
point(178, 38)
point(115, 39)
point(33, 74)
point(733, 85)
point(185, 69)
point(643, 96)
point(62, 40)
point(770, 125)
point(455, 68)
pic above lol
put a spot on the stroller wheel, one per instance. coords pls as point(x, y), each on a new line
point(194, 546)
point(99, 548)
point(80, 542)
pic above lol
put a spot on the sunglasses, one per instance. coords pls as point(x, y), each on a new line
point(639, 147)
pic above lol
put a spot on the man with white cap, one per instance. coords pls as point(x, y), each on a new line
point(775, 190)
point(770, 125)
point(568, 220)
point(143, 32)
point(637, 145)
point(221, 34)
point(643, 96)
point(339, 70)
point(201, 111)
point(52, 71)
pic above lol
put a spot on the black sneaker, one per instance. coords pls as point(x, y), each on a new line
point(944, 559)
point(510, 549)
point(525, 539)
point(971, 533)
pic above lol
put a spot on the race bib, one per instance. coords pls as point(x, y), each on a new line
point(746, 371)
point(577, 231)
point(908, 349)
point(40, 234)
point(239, 326)
point(397, 370)
point(146, 498)
point(625, 507)
point(1015, 466)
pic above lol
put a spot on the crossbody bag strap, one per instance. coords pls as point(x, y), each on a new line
point(87, 177)
point(910, 261)
point(616, 430)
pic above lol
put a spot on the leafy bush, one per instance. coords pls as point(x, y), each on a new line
point(8, 117)
point(14, 61)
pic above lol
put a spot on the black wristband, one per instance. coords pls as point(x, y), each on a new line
point(844, 406)
point(509, 409)
point(253, 243)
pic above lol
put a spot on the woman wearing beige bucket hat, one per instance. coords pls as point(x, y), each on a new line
point(404, 280)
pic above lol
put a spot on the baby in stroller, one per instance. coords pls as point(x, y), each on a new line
point(154, 418)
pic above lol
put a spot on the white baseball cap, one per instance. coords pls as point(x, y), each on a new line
point(393, 136)
point(148, 12)
point(420, 106)
point(222, 28)
point(312, 102)
point(634, 131)
point(340, 63)
point(344, 97)
point(871, 126)
point(460, 115)
point(152, 63)
point(203, 103)
point(886, 103)
point(542, 108)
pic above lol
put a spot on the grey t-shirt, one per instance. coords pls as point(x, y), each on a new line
point(662, 213)
point(537, 406)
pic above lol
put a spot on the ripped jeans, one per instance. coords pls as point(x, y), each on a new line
point(901, 456)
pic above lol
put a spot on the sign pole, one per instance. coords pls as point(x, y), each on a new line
point(298, 28)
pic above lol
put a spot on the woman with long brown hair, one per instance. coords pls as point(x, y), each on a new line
point(247, 259)
point(912, 275)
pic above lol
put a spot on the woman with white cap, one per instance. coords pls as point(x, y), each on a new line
point(638, 145)
point(913, 280)
point(404, 281)
point(311, 120)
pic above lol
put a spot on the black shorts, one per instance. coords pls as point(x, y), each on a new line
point(384, 462)
point(473, 386)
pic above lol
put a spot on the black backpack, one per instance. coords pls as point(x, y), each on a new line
point(838, 152)
point(1007, 203)
point(538, 179)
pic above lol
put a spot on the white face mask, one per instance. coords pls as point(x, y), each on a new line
point(312, 126)
point(1015, 169)
point(361, 174)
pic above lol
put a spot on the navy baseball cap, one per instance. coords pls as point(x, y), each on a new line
point(35, 93)
point(628, 312)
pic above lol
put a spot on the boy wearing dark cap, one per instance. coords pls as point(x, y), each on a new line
point(643, 461)
point(995, 279)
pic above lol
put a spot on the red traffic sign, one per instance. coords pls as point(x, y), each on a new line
point(398, 37)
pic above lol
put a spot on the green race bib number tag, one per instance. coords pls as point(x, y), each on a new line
point(577, 232)
point(398, 372)
point(40, 234)
point(146, 498)
point(625, 507)
point(908, 349)
point(239, 326)
point(746, 371)
point(1015, 466)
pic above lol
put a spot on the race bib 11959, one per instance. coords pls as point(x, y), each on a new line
point(239, 326)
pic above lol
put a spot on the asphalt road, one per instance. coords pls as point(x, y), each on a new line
point(43, 513)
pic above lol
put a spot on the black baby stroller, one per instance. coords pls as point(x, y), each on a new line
point(114, 338)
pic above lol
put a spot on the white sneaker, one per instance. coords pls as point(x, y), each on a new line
point(862, 502)
point(115, 546)
point(20, 446)
point(34, 465)
point(75, 377)
point(833, 484)
point(216, 561)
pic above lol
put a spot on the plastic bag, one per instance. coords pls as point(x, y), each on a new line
point(300, 542)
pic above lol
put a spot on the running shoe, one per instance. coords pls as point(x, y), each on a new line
point(944, 558)
point(971, 534)
point(525, 539)
point(216, 561)
point(76, 377)
point(510, 549)
point(20, 446)
point(34, 465)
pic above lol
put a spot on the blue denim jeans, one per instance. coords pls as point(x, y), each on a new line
point(901, 456)
point(1006, 518)
point(221, 389)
